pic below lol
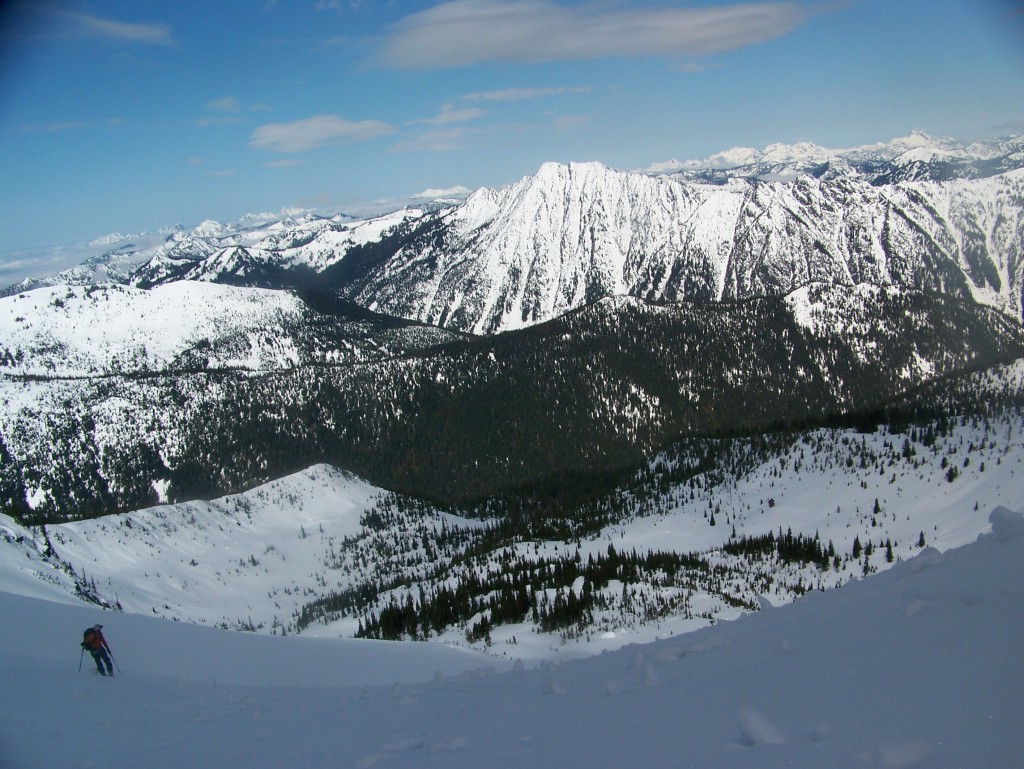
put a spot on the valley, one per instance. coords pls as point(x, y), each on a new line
point(591, 408)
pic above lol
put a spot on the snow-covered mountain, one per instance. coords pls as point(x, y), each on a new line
point(688, 397)
point(916, 157)
point(917, 213)
point(572, 234)
point(149, 258)
point(115, 396)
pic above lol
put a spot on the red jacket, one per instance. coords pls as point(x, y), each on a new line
point(96, 641)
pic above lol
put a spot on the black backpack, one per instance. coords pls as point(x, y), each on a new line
point(88, 637)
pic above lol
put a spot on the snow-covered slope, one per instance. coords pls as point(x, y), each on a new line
point(572, 234)
point(286, 240)
point(72, 331)
point(917, 156)
point(254, 560)
point(917, 667)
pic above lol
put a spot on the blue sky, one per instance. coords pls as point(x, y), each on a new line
point(128, 116)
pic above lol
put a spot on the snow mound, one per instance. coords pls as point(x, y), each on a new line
point(1006, 524)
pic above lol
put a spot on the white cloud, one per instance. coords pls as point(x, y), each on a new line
point(227, 110)
point(522, 94)
point(464, 32)
point(439, 140)
point(203, 122)
point(695, 66)
point(225, 104)
point(284, 163)
point(56, 127)
point(450, 114)
point(152, 34)
point(63, 126)
point(338, 6)
point(314, 132)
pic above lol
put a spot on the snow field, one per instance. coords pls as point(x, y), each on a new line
point(915, 667)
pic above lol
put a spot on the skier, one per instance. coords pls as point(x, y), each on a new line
point(99, 649)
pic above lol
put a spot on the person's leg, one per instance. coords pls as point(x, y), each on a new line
point(110, 665)
point(98, 659)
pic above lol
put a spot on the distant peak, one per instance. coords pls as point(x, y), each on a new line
point(107, 240)
point(208, 228)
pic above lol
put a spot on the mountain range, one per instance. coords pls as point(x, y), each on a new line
point(917, 213)
point(546, 362)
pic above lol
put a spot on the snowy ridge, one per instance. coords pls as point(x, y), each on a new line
point(917, 213)
point(875, 161)
point(75, 331)
point(572, 234)
point(291, 238)
point(550, 243)
point(115, 398)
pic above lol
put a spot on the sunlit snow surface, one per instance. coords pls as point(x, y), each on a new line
point(917, 666)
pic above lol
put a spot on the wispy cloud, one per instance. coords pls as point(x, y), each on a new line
point(451, 114)
point(205, 122)
point(464, 32)
point(439, 140)
point(569, 122)
point(695, 66)
point(57, 126)
point(226, 110)
point(284, 163)
point(314, 132)
point(522, 94)
point(111, 29)
point(338, 5)
point(225, 104)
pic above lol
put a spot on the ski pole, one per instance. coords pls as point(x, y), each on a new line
point(80, 659)
point(114, 661)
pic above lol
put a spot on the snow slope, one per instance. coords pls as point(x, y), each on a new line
point(915, 667)
point(84, 331)
point(570, 234)
point(255, 559)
